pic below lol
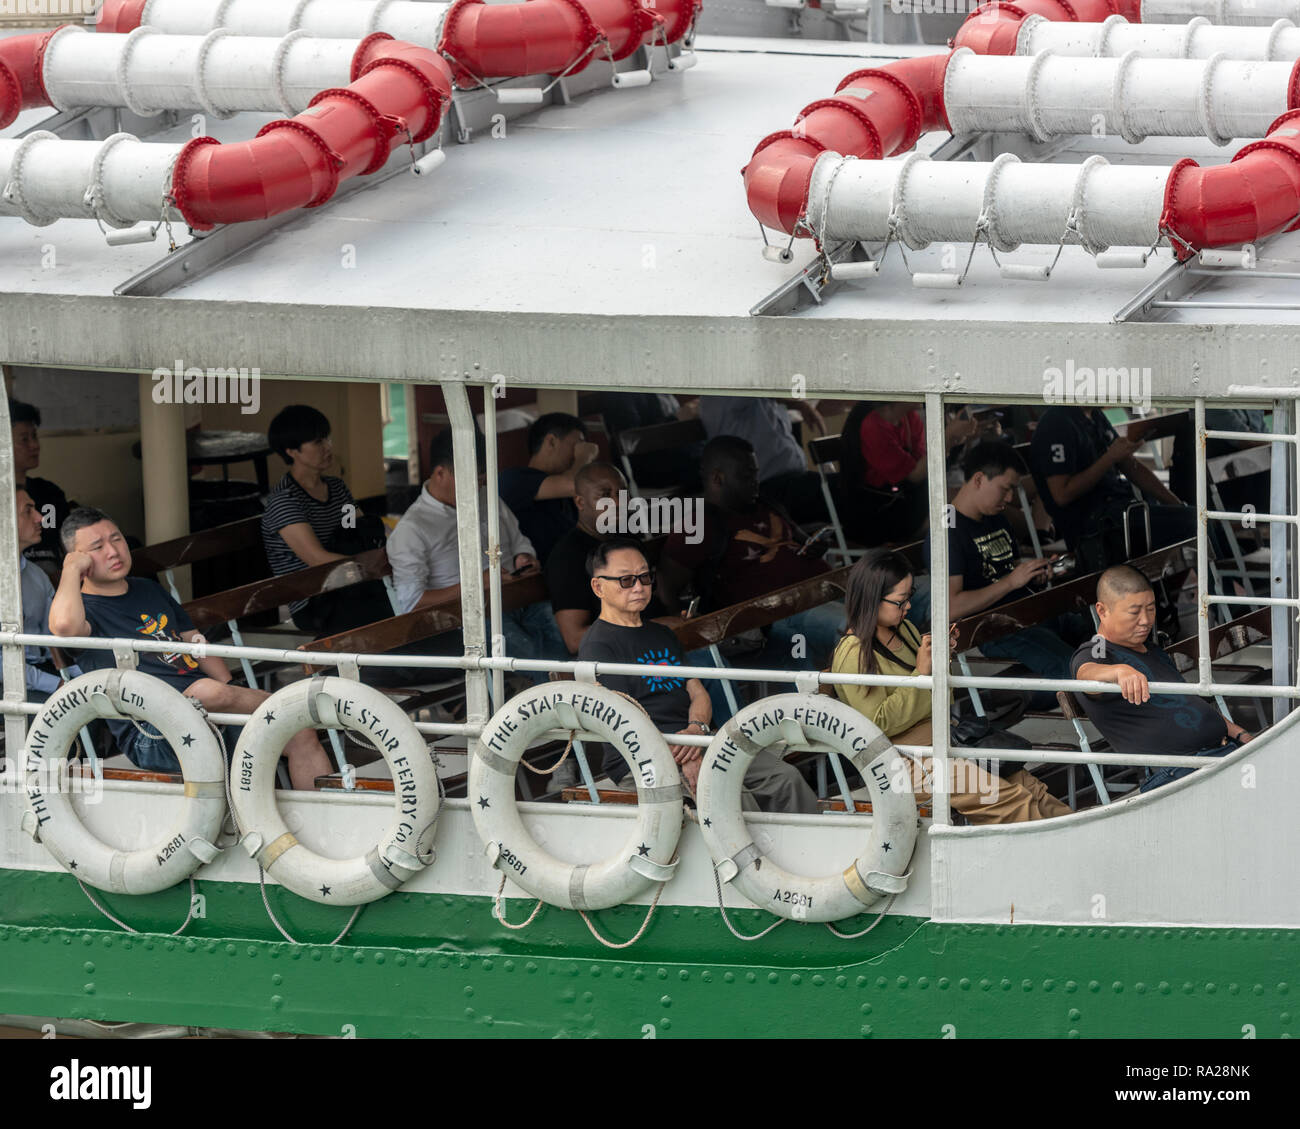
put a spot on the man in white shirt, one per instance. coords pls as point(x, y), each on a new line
point(38, 594)
point(424, 552)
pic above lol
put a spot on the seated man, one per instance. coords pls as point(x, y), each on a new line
point(38, 593)
point(311, 519)
point(424, 551)
point(782, 468)
point(623, 582)
point(747, 548)
point(540, 494)
point(51, 504)
point(1135, 720)
point(1077, 460)
point(97, 597)
point(983, 570)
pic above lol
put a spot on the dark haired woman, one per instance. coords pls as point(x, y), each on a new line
point(881, 640)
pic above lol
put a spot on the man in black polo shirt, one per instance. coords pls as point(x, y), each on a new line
point(1084, 470)
point(1135, 720)
point(675, 705)
point(50, 501)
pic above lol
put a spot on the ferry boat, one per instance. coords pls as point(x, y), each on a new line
point(946, 225)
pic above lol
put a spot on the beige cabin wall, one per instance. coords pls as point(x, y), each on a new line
point(354, 412)
point(97, 469)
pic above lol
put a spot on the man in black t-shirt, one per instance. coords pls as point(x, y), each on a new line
point(1135, 720)
point(984, 569)
point(1078, 460)
point(675, 705)
point(540, 494)
point(50, 501)
point(97, 597)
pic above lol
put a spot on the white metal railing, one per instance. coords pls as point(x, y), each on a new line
point(12, 641)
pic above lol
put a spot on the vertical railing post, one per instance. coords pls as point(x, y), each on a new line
point(14, 663)
point(494, 546)
point(471, 556)
point(937, 477)
point(1204, 672)
point(1282, 620)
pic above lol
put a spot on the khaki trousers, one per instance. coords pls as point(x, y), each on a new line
point(978, 795)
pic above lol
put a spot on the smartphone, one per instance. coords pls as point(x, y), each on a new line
point(692, 608)
point(519, 571)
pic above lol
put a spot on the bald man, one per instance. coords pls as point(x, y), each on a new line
point(1135, 720)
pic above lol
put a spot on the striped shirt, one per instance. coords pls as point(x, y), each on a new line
point(290, 504)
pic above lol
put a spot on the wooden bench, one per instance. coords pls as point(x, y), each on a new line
point(231, 606)
point(650, 440)
point(242, 539)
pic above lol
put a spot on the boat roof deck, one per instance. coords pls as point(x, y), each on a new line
point(625, 205)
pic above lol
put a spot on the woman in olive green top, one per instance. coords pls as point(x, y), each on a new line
point(877, 596)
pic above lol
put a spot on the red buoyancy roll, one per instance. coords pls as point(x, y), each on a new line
point(117, 16)
point(547, 36)
point(300, 162)
point(992, 29)
point(20, 74)
point(896, 104)
point(1255, 195)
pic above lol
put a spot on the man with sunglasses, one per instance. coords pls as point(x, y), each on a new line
point(624, 582)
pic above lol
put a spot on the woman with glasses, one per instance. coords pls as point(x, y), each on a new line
point(623, 582)
point(880, 639)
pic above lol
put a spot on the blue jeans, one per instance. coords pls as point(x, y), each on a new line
point(1161, 776)
point(532, 633)
point(815, 632)
point(151, 751)
point(1039, 648)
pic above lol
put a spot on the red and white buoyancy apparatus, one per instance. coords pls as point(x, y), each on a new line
point(390, 89)
point(827, 178)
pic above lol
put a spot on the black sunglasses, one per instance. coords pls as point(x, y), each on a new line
point(632, 578)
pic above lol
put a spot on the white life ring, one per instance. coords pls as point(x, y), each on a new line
point(406, 846)
point(51, 819)
point(879, 871)
point(647, 855)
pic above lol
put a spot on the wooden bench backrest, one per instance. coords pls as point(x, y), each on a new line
point(400, 630)
point(234, 537)
point(1226, 638)
point(659, 437)
point(826, 449)
point(1073, 595)
point(262, 595)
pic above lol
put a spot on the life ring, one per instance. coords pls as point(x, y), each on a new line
point(406, 846)
point(646, 857)
point(881, 869)
point(52, 819)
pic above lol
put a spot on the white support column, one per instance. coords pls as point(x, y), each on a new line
point(1282, 620)
point(1204, 662)
point(937, 474)
point(494, 545)
point(471, 557)
point(14, 663)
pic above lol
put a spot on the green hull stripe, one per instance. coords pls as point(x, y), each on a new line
point(439, 965)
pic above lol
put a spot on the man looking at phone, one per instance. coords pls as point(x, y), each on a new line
point(424, 551)
point(749, 547)
point(623, 582)
point(984, 569)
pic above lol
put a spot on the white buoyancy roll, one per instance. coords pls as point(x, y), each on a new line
point(1226, 12)
point(1199, 39)
point(219, 73)
point(940, 201)
point(1133, 97)
point(806, 719)
point(51, 817)
point(648, 854)
point(409, 20)
point(406, 846)
point(121, 179)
